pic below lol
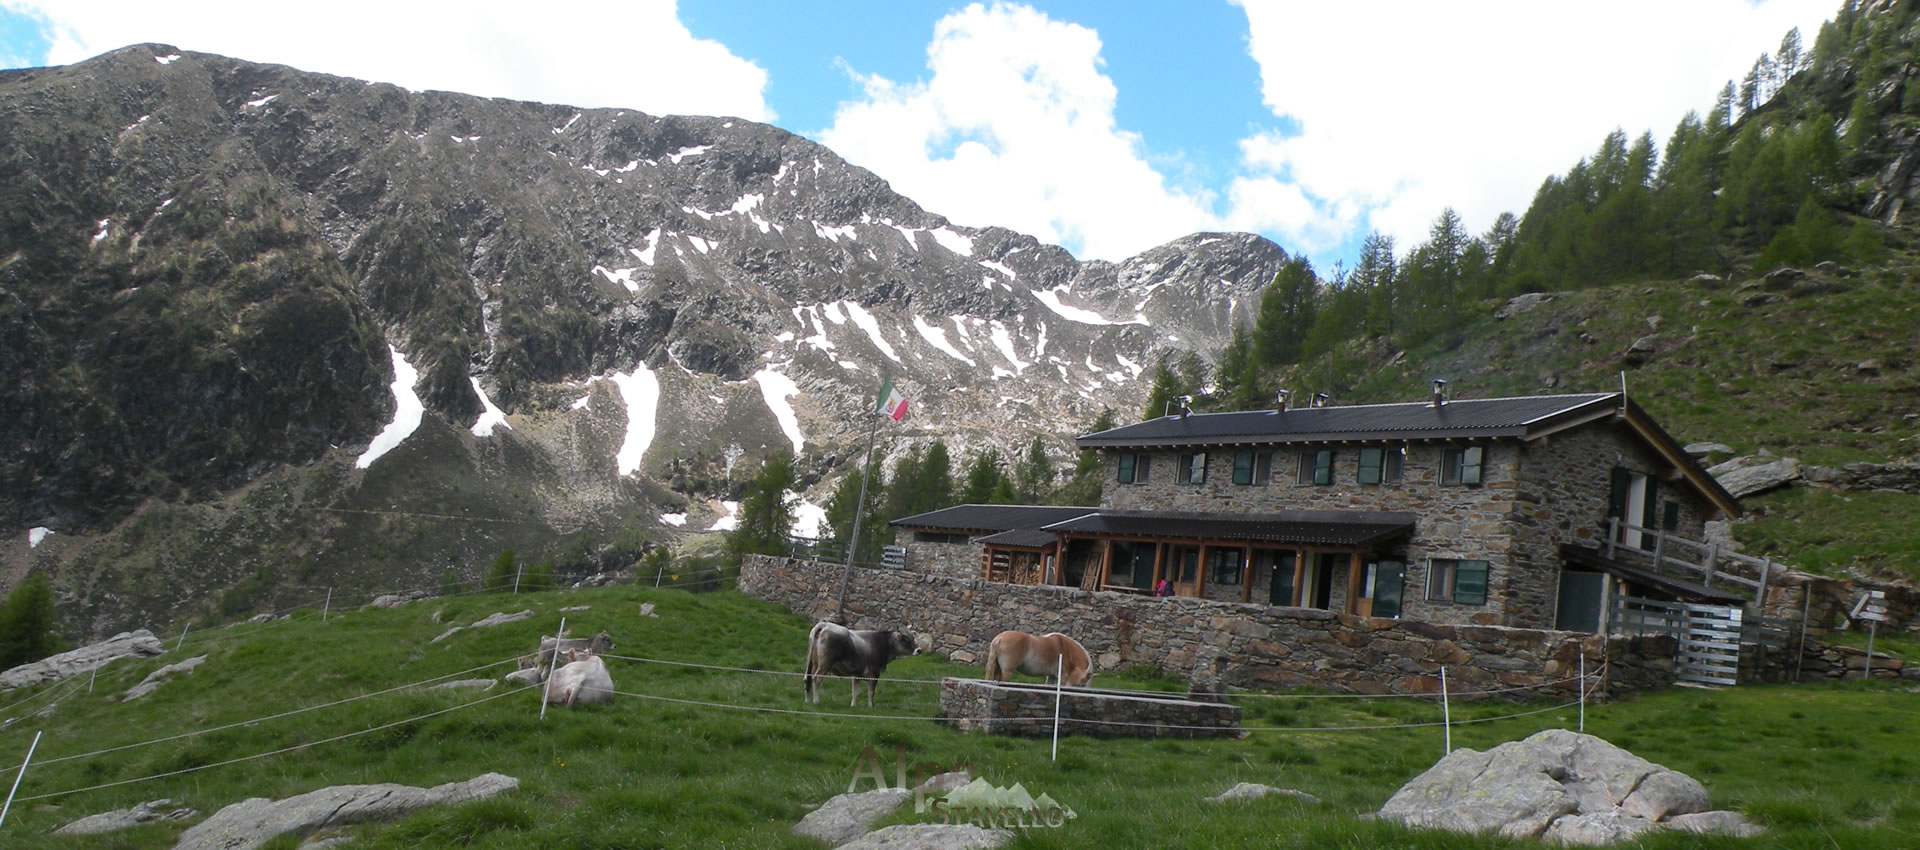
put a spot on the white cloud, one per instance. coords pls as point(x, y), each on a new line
point(594, 53)
point(1408, 107)
point(1015, 128)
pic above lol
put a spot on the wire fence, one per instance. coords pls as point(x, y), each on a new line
point(1078, 722)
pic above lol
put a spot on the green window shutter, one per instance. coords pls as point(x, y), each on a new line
point(1470, 583)
point(1323, 466)
point(1371, 462)
point(1617, 499)
point(1471, 459)
point(1125, 470)
point(1389, 585)
point(1243, 467)
point(1671, 522)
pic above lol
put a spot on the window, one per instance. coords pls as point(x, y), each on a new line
point(1252, 468)
point(1316, 467)
point(1193, 468)
point(1462, 465)
point(1396, 462)
point(1224, 565)
point(1670, 521)
point(1132, 564)
point(1132, 468)
point(1457, 581)
point(1373, 463)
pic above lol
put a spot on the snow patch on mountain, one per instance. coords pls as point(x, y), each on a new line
point(624, 277)
point(1001, 268)
point(956, 242)
point(406, 413)
point(653, 243)
point(683, 153)
point(489, 414)
point(937, 337)
point(1051, 298)
point(776, 389)
point(641, 391)
point(865, 321)
point(1004, 342)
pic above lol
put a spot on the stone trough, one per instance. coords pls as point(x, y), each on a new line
point(1022, 708)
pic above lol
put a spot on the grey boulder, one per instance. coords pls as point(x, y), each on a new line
point(154, 679)
point(151, 811)
point(849, 816)
point(254, 822)
point(1567, 786)
point(53, 668)
point(931, 836)
point(1255, 790)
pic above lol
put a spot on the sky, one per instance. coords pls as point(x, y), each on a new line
point(1105, 126)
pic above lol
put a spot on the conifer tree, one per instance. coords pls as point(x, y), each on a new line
point(1161, 391)
point(983, 478)
point(1033, 478)
point(840, 510)
point(26, 622)
point(765, 518)
point(936, 479)
point(1286, 313)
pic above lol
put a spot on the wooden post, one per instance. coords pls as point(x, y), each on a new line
point(1713, 557)
point(1299, 576)
point(1708, 579)
point(1659, 549)
point(1613, 533)
point(1760, 593)
point(324, 609)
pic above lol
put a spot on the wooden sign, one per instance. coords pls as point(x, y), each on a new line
point(1872, 606)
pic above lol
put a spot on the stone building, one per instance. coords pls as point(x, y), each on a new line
point(1480, 511)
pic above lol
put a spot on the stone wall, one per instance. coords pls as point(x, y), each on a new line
point(952, 560)
point(1263, 647)
point(1016, 708)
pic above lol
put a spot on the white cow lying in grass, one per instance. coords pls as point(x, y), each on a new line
point(583, 680)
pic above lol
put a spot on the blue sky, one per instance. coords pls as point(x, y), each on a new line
point(1107, 127)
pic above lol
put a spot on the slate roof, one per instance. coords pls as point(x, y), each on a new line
point(1460, 419)
point(1332, 528)
point(1038, 526)
point(991, 518)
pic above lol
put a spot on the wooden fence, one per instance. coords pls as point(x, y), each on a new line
point(1669, 551)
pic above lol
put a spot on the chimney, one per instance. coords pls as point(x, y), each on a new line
point(1280, 400)
point(1439, 392)
point(1186, 404)
point(1319, 399)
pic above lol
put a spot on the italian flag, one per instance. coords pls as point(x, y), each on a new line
point(892, 403)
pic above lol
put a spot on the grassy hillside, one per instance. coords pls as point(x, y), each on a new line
point(1825, 372)
point(1823, 765)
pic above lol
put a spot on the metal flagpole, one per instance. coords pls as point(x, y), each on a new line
point(859, 513)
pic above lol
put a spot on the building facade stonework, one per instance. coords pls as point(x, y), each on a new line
point(1262, 646)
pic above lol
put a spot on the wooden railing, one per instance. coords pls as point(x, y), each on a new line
point(1670, 551)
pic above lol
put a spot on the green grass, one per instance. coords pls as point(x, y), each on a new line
point(1824, 765)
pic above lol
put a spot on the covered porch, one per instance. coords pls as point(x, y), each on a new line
point(1329, 560)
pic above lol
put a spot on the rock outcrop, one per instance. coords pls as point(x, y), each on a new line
point(1562, 785)
point(152, 811)
point(251, 823)
point(154, 679)
point(53, 668)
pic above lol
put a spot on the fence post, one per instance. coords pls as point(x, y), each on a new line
point(1583, 690)
point(1059, 674)
point(1760, 595)
point(184, 628)
point(1872, 627)
point(17, 777)
point(1713, 556)
point(328, 606)
point(93, 673)
point(546, 687)
point(516, 577)
point(1613, 533)
point(1446, 712)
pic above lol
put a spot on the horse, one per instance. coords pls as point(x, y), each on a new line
point(1038, 655)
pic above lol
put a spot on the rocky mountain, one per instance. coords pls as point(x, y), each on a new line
point(275, 331)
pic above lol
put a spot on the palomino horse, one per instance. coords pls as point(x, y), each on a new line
point(1038, 655)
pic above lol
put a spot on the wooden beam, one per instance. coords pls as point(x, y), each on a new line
point(1299, 575)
